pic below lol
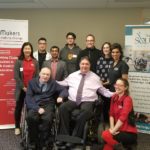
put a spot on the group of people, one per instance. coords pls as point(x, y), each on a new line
point(46, 78)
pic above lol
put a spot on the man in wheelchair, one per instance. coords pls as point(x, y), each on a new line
point(83, 86)
point(40, 105)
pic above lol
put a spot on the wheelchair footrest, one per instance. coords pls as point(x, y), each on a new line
point(70, 139)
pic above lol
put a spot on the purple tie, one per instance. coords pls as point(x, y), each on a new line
point(80, 89)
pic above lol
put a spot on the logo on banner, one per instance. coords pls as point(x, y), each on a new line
point(141, 39)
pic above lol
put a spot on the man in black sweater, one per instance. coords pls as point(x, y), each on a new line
point(40, 104)
point(90, 51)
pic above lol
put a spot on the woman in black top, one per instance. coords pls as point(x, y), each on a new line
point(119, 69)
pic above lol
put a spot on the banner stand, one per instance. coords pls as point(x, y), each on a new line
point(137, 56)
point(13, 33)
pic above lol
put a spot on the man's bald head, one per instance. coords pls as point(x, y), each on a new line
point(45, 74)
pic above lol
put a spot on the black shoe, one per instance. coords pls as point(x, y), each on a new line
point(118, 146)
point(60, 143)
point(70, 145)
point(62, 147)
point(32, 147)
point(44, 148)
point(96, 147)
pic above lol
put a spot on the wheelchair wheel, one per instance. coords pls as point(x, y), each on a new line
point(100, 130)
point(24, 130)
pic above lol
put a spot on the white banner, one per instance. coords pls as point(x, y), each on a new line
point(137, 56)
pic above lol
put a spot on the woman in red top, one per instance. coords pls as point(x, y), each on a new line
point(25, 68)
point(121, 132)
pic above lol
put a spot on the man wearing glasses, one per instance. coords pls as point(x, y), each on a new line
point(41, 54)
point(90, 51)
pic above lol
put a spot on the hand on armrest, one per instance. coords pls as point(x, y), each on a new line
point(59, 100)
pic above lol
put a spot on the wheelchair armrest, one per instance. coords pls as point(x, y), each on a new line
point(98, 102)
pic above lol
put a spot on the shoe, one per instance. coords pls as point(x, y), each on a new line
point(17, 131)
point(60, 143)
point(70, 145)
point(32, 147)
point(44, 148)
point(62, 147)
point(96, 147)
point(118, 146)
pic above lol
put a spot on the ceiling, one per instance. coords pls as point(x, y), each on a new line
point(74, 3)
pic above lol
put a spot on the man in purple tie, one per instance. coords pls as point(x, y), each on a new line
point(83, 88)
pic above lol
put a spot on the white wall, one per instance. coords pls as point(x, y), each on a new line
point(105, 24)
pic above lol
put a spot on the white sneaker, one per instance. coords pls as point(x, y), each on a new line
point(17, 131)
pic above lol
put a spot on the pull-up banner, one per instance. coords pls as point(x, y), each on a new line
point(137, 55)
point(13, 33)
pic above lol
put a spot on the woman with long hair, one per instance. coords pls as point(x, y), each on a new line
point(25, 68)
point(119, 68)
point(102, 70)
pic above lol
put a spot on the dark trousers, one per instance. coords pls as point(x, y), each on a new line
point(18, 108)
point(125, 138)
point(40, 125)
point(106, 108)
point(65, 110)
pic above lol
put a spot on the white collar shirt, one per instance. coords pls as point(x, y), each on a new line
point(92, 85)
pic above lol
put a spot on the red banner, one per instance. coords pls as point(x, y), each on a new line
point(7, 84)
point(13, 33)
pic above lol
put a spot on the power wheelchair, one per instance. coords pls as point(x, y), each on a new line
point(90, 129)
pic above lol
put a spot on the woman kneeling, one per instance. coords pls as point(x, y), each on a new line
point(122, 129)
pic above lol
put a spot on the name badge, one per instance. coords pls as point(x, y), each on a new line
point(119, 106)
point(21, 69)
point(74, 56)
point(32, 65)
point(116, 69)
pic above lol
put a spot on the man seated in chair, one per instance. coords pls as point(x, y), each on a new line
point(40, 105)
point(83, 88)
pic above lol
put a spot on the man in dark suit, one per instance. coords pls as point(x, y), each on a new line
point(58, 67)
point(40, 103)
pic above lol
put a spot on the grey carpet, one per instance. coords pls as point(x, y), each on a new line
point(8, 141)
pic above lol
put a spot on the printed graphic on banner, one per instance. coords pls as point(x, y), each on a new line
point(12, 35)
point(7, 86)
point(137, 55)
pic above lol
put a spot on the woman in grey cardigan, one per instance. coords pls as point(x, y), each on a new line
point(25, 68)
